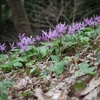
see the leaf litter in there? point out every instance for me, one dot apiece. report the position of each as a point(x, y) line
point(52, 87)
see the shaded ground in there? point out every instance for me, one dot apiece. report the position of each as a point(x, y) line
point(52, 87)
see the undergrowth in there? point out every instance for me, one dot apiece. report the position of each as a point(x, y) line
point(59, 50)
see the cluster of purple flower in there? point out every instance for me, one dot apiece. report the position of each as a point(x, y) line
point(70, 29)
point(25, 41)
point(59, 31)
point(2, 47)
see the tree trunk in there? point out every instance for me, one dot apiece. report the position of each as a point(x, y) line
point(20, 17)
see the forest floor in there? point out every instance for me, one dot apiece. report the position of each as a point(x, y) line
point(80, 79)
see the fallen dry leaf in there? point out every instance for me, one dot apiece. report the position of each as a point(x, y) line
point(53, 94)
point(22, 82)
point(63, 95)
point(93, 95)
point(92, 85)
point(39, 94)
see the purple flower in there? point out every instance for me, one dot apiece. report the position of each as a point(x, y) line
point(61, 28)
point(44, 33)
point(71, 30)
point(21, 36)
point(55, 34)
point(38, 38)
point(89, 22)
point(25, 41)
point(2, 47)
point(51, 34)
point(97, 19)
point(12, 45)
point(31, 40)
point(76, 26)
point(44, 38)
point(22, 46)
point(19, 44)
point(83, 25)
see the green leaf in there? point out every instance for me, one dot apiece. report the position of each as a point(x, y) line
point(28, 93)
point(98, 57)
point(17, 64)
point(43, 76)
point(1, 85)
point(67, 38)
point(87, 29)
point(30, 63)
point(7, 83)
point(6, 67)
point(4, 85)
point(31, 47)
point(3, 96)
point(3, 57)
point(28, 56)
point(5, 90)
point(55, 58)
point(35, 71)
point(20, 59)
point(67, 58)
point(77, 72)
point(89, 70)
point(69, 44)
point(83, 66)
point(84, 40)
point(57, 68)
point(47, 43)
point(79, 85)
point(43, 50)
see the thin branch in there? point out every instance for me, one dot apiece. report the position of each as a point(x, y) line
point(63, 15)
point(60, 12)
point(74, 11)
point(49, 22)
